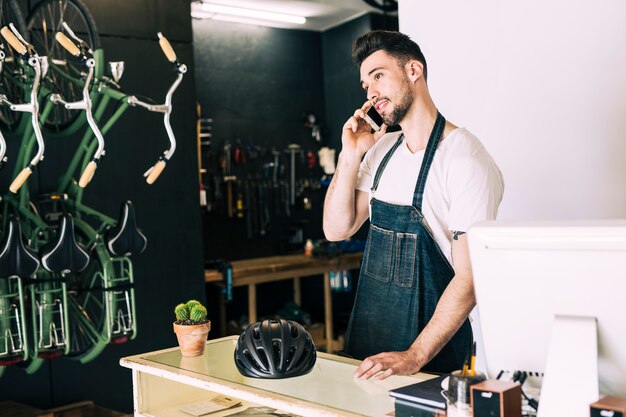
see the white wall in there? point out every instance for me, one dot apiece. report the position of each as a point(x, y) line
point(543, 85)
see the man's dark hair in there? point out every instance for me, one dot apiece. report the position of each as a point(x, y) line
point(396, 44)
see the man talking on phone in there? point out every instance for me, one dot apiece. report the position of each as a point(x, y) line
point(421, 188)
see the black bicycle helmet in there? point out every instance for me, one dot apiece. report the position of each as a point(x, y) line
point(275, 349)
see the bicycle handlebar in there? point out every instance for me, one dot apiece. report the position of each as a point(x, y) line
point(154, 172)
point(167, 48)
point(13, 41)
point(67, 44)
point(3, 144)
point(3, 149)
point(166, 108)
point(20, 179)
point(87, 175)
point(84, 104)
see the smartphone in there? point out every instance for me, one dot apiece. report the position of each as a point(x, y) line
point(374, 119)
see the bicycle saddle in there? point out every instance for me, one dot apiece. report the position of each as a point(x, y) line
point(16, 259)
point(64, 254)
point(125, 238)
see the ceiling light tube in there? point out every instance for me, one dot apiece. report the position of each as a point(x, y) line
point(256, 14)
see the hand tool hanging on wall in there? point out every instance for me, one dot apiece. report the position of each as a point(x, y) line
point(229, 180)
point(307, 203)
point(203, 132)
point(311, 160)
point(225, 164)
point(284, 195)
point(276, 165)
point(292, 150)
point(275, 182)
point(240, 206)
point(253, 151)
point(266, 206)
point(248, 208)
point(240, 156)
point(217, 189)
point(310, 121)
point(261, 208)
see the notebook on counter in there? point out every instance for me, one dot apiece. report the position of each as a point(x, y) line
point(425, 392)
point(411, 409)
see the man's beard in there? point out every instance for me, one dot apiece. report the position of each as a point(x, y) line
point(401, 109)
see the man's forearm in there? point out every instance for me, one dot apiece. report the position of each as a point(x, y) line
point(452, 310)
point(339, 205)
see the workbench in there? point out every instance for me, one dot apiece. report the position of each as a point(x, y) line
point(250, 272)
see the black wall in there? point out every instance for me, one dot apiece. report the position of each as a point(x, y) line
point(342, 87)
point(256, 83)
point(170, 270)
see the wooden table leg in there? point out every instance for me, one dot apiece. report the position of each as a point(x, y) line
point(252, 303)
point(297, 292)
point(328, 313)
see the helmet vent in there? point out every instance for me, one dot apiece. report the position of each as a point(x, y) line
point(292, 352)
point(276, 350)
point(250, 358)
point(261, 353)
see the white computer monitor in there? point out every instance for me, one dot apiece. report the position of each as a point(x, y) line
point(544, 291)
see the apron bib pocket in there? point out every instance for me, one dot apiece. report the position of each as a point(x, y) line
point(378, 254)
point(406, 258)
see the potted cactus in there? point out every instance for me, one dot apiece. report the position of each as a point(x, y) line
point(191, 327)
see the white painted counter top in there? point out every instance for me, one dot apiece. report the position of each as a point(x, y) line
point(164, 381)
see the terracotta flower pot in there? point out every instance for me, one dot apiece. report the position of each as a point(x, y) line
point(192, 338)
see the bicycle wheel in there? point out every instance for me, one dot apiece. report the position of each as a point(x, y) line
point(12, 75)
point(64, 73)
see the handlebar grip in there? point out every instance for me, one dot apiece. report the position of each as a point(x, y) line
point(67, 43)
point(156, 171)
point(87, 175)
point(20, 179)
point(167, 48)
point(14, 42)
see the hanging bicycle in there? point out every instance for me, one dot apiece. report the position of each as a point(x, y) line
point(99, 301)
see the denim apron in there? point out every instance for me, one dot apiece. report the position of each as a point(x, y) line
point(403, 275)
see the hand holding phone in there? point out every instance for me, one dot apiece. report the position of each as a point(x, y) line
point(357, 135)
point(374, 118)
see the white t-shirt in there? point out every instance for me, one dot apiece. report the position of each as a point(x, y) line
point(464, 185)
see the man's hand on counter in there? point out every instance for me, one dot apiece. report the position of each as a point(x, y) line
point(386, 364)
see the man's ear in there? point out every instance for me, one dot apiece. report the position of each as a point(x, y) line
point(414, 70)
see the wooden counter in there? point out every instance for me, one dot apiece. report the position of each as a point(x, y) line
point(164, 382)
point(250, 272)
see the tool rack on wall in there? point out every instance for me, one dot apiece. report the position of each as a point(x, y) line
point(261, 191)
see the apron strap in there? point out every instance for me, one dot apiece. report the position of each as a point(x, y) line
point(383, 163)
point(429, 154)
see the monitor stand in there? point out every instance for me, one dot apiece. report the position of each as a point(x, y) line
point(570, 382)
